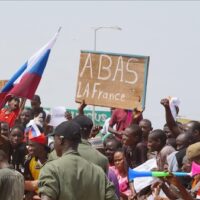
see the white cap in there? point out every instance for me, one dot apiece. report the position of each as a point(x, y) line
point(57, 116)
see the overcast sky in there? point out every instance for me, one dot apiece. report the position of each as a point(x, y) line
point(168, 32)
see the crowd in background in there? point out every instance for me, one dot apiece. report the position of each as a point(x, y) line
point(41, 153)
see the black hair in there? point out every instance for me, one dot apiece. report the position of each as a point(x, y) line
point(159, 134)
point(120, 150)
point(30, 110)
point(14, 98)
point(19, 127)
point(41, 112)
point(113, 139)
point(85, 123)
point(147, 121)
point(37, 98)
point(136, 130)
point(195, 125)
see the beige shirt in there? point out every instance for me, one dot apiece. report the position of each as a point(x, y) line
point(161, 157)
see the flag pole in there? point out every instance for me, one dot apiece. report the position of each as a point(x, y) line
point(21, 108)
point(22, 104)
point(59, 29)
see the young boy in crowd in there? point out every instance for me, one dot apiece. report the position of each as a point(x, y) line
point(4, 137)
point(18, 148)
point(175, 159)
point(10, 113)
point(157, 142)
point(36, 106)
point(146, 128)
point(111, 144)
point(4, 129)
point(25, 116)
point(135, 150)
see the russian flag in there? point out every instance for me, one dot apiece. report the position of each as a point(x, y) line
point(34, 134)
point(33, 129)
point(26, 80)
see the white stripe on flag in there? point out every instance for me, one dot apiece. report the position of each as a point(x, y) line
point(34, 58)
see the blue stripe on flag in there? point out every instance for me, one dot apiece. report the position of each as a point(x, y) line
point(39, 67)
point(10, 83)
point(34, 133)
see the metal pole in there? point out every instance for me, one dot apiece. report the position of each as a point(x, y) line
point(95, 38)
point(95, 41)
point(95, 44)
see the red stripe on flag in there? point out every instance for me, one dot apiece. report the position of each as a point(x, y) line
point(26, 87)
point(2, 99)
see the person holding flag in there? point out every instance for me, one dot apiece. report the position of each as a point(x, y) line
point(10, 113)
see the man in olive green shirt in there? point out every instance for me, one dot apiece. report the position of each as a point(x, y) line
point(85, 149)
point(71, 177)
point(88, 152)
point(11, 181)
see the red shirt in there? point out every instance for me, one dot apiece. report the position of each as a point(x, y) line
point(9, 117)
point(121, 118)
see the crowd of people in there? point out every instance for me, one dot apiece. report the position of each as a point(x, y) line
point(74, 159)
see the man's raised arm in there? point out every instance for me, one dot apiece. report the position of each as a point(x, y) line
point(171, 123)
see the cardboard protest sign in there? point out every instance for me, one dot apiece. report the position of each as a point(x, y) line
point(2, 83)
point(112, 80)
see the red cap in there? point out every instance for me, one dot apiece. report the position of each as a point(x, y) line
point(41, 139)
